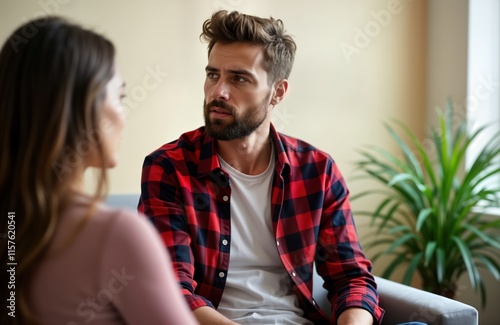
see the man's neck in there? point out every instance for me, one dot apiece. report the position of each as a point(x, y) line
point(249, 155)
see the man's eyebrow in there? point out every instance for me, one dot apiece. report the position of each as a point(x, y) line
point(211, 69)
point(241, 71)
point(233, 71)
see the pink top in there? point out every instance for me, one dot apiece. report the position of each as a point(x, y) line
point(115, 271)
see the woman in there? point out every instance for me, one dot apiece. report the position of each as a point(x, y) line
point(78, 261)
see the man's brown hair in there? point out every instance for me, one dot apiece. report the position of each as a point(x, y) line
point(279, 48)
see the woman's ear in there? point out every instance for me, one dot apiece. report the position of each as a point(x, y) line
point(280, 89)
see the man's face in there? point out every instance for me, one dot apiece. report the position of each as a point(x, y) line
point(237, 95)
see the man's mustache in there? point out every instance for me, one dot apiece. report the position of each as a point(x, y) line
point(220, 104)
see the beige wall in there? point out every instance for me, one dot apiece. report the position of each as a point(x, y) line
point(335, 101)
point(447, 55)
point(359, 63)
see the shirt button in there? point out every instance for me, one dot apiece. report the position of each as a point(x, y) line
point(277, 243)
point(224, 242)
point(294, 274)
point(221, 274)
point(225, 198)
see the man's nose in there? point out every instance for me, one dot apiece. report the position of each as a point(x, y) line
point(221, 90)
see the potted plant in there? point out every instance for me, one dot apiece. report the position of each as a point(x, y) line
point(427, 219)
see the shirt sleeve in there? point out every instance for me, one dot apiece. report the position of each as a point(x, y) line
point(137, 276)
point(161, 202)
point(340, 259)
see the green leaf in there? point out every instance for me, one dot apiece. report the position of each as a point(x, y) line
point(400, 228)
point(412, 161)
point(400, 259)
point(491, 265)
point(429, 252)
point(440, 265)
point(491, 241)
point(468, 260)
point(422, 216)
point(400, 242)
point(415, 261)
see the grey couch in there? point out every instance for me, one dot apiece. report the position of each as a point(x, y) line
point(405, 304)
point(401, 303)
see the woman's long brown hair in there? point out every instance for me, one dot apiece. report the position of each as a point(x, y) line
point(52, 83)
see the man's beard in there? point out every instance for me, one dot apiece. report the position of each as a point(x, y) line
point(241, 126)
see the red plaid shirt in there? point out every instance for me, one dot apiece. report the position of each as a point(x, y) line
point(187, 196)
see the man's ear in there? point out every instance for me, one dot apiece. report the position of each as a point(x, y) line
point(280, 89)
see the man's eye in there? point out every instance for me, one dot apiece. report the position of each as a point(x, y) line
point(211, 75)
point(240, 79)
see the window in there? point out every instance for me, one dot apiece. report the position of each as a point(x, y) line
point(483, 73)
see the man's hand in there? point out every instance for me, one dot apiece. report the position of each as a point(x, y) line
point(355, 316)
point(208, 316)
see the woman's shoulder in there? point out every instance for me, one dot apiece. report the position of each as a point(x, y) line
point(108, 213)
point(121, 221)
point(100, 228)
point(100, 219)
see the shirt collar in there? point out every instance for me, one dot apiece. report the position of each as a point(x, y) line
point(209, 162)
point(282, 161)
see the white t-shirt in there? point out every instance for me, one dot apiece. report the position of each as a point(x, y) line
point(258, 289)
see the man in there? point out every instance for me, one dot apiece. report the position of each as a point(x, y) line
point(245, 211)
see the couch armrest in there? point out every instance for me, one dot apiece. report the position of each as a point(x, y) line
point(405, 304)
